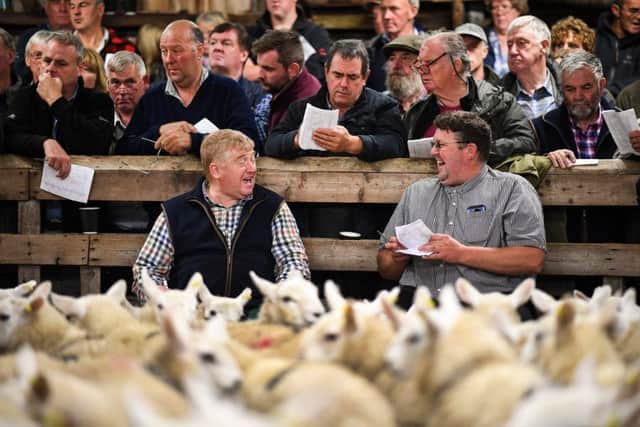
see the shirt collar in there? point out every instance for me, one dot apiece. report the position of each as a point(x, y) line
point(547, 86)
point(469, 185)
point(212, 203)
point(117, 121)
point(170, 89)
point(597, 123)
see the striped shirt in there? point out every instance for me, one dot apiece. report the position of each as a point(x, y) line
point(587, 140)
point(501, 63)
point(157, 253)
point(494, 209)
point(540, 101)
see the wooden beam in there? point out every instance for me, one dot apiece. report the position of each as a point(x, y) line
point(14, 184)
point(89, 280)
point(338, 179)
point(28, 223)
point(44, 249)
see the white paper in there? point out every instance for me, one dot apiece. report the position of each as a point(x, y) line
point(75, 187)
point(586, 162)
point(307, 48)
point(315, 118)
point(620, 123)
point(412, 236)
point(420, 148)
point(206, 126)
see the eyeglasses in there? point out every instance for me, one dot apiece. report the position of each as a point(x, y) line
point(440, 145)
point(425, 67)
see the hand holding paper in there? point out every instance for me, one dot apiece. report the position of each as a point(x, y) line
point(412, 236)
point(75, 187)
point(621, 124)
point(315, 118)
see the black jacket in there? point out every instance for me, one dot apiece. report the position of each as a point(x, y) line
point(509, 127)
point(375, 118)
point(377, 60)
point(620, 57)
point(553, 132)
point(84, 125)
point(317, 36)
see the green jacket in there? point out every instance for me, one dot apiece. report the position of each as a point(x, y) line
point(509, 126)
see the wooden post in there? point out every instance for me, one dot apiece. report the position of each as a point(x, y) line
point(28, 223)
point(616, 283)
point(89, 280)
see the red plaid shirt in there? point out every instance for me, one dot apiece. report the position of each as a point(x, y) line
point(587, 140)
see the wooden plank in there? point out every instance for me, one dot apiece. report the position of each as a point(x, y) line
point(44, 249)
point(89, 280)
point(14, 184)
point(589, 190)
point(580, 259)
point(28, 223)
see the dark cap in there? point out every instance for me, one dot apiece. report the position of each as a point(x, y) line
point(409, 43)
point(473, 30)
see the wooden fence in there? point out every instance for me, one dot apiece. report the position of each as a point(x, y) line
point(339, 180)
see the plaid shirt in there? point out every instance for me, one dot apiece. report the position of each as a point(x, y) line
point(501, 64)
point(587, 140)
point(539, 102)
point(157, 253)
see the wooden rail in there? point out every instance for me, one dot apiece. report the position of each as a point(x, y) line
point(340, 180)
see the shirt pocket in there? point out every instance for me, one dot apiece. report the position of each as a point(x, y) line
point(476, 228)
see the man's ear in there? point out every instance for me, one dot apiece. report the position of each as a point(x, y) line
point(603, 84)
point(615, 10)
point(545, 46)
point(199, 50)
point(100, 9)
point(293, 70)
point(472, 150)
point(243, 56)
point(414, 11)
point(214, 170)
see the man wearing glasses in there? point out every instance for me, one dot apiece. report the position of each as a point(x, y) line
point(223, 228)
point(444, 66)
point(618, 44)
point(488, 225)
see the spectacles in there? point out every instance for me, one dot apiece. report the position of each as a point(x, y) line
point(425, 67)
point(439, 145)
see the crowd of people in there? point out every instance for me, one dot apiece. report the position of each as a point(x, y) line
point(74, 87)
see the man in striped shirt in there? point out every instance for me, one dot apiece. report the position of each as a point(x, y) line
point(226, 226)
point(488, 225)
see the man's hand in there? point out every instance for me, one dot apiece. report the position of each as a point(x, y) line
point(337, 140)
point(445, 248)
point(562, 158)
point(182, 126)
point(49, 88)
point(634, 138)
point(177, 142)
point(57, 158)
point(393, 244)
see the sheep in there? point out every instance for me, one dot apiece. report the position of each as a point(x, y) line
point(230, 309)
point(384, 299)
point(458, 356)
point(22, 290)
point(183, 302)
point(489, 302)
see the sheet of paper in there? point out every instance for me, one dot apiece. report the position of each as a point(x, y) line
point(206, 126)
point(586, 162)
point(315, 118)
point(412, 236)
point(620, 123)
point(75, 187)
point(420, 148)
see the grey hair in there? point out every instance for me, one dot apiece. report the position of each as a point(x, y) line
point(349, 49)
point(7, 39)
point(453, 44)
point(415, 3)
point(122, 59)
point(533, 23)
point(39, 37)
point(579, 59)
point(66, 38)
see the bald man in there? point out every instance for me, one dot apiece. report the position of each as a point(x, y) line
point(166, 115)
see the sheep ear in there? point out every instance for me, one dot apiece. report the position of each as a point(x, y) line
point(350, 321)
point(195, 283)
point(391, 296)
point(244, 297)
point(268, 289)
point(390, 312)
point(68, 305)
point(334, 297)
point(565, 315)
point(176, 331)
point(149, 286)
point(24, 289)
point(38, 297)
point(603, 292)
point(577, 294)
point(522, 293)
point(118, 291)
point(422, 299)
point(467, 292)
point(543, 301)
point(629, 297)
point(204, 294)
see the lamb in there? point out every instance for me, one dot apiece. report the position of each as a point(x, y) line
point(458, 355)
point(230, 309)
point(22, 290)
point(182, 302)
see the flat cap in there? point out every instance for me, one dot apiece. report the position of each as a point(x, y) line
point(473, 30)
point(408, 43)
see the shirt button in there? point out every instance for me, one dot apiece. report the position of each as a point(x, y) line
point(450, 222)
point(453, 204)
point(441, 265)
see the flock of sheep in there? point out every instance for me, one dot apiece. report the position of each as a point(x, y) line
point(186, 359)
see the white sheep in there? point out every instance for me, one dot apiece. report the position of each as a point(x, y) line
point(22, 290)
point(159, 299)
point(230, 309)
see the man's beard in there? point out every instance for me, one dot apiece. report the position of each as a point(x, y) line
point(584, 110)
point(404, 87)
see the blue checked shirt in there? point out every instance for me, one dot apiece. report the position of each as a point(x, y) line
point(157, 253)
point(501, 64)
point(587, 140)
point(539, 102)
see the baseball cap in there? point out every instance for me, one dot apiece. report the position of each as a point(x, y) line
point(408, 43)
point(473, 30)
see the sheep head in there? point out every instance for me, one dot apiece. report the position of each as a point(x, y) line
point(230, 309)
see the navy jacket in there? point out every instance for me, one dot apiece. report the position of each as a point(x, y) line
point(553, 132)
point(201, 247)
point(219, 99)
point(375, 118)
